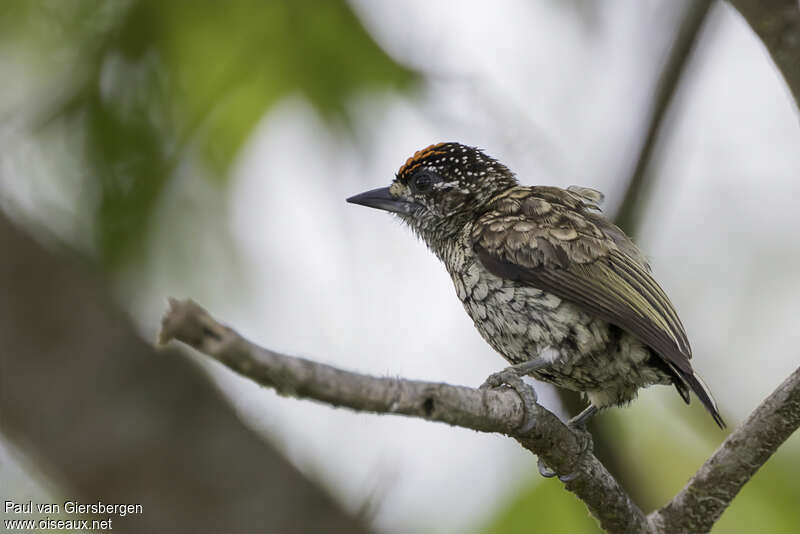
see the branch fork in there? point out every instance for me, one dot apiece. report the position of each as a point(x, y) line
point(512, 411)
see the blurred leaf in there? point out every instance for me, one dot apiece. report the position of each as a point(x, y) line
point(229, 62)
point(156, 82)
point(543, 506)
point(53, 23)
point(131, 172)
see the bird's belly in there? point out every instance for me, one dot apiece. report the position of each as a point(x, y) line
point(584, 353)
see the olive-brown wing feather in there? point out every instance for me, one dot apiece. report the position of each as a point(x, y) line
point(543, 237)
point(554, 255)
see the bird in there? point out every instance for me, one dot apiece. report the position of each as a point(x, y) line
point(552, 285)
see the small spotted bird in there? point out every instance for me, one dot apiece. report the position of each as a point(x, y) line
point(553, 286)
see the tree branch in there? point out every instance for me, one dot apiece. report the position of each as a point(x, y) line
point(701, 502)
point(777, 24)
point(486, 410)
point(695, 509)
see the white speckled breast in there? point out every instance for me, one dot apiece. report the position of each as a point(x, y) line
point(522, 323)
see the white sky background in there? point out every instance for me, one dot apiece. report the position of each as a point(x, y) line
point(559, 97)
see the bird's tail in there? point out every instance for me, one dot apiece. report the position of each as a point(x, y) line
point(693, 381)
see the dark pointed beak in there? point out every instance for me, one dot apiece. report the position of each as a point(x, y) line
point(382, 200)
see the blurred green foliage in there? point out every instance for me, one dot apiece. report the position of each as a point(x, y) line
point(149, 83)
point(769, 502)
point(543, 506)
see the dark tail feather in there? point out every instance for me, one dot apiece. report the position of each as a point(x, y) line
point(703, 393)
point(683, 388)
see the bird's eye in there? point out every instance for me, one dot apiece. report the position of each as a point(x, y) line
point(423, 181)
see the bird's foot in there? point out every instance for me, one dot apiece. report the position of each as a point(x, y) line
point(524, 368)
point(510, 377)
point(578, 427)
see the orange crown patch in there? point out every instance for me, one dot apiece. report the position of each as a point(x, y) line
point(419, 156)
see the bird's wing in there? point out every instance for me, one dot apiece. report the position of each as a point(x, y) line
point(545, 237)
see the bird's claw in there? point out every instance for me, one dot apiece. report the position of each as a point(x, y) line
point(510, 377)
point(587, 445)
point(545, 471)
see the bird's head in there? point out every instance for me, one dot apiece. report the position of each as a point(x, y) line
point(440, 188)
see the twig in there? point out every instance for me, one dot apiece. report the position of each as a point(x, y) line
point(630, 212)
point(486, 410)
point(700, 504)
point(777, 24)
